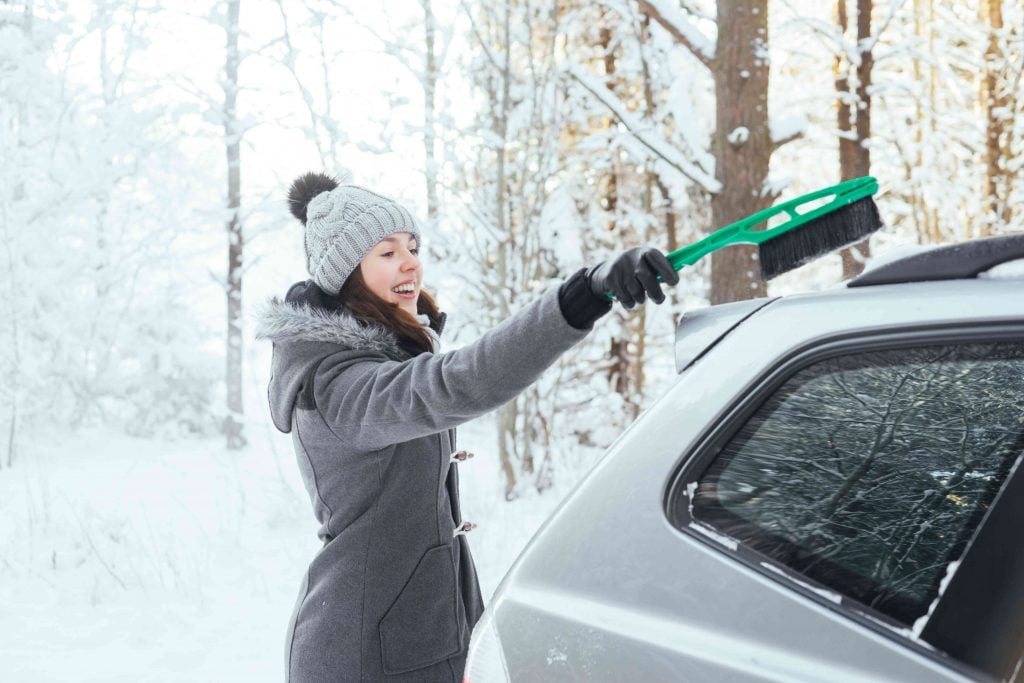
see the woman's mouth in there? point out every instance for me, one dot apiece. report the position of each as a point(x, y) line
point(405, 291)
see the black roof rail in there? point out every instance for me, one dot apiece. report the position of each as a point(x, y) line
point(951, 262)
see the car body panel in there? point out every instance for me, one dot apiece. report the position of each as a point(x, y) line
point(701, 329)
point(609, 588)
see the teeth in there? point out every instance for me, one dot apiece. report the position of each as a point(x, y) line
point(403, 288)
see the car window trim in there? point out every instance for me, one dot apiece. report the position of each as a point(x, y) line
point(986, 592)
point(693, 462)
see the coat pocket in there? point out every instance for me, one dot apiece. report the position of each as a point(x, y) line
point(422, 626)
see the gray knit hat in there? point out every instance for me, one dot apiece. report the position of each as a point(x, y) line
point(343, 223)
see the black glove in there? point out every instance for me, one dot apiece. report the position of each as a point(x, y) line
point(632, 276)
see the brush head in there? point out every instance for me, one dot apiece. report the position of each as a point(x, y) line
point(819, 236)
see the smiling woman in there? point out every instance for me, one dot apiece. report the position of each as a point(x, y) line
point(359, 381)
point(386, 289)
point(393, 271)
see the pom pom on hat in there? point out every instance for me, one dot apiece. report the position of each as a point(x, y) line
point(304, 189)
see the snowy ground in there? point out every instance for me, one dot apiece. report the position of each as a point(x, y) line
point(131, 560)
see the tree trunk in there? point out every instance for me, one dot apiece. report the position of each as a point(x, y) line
point(232, 135)
point(506, 447)
point(742, 142)
point(995, 104)
point(14, 386)
point(925, 218)
point(854, 119)
point(429, 112)
point(18, 194)
point(931, 212)
point(507, 414)
point(610, 200)
point(920, 224)
point(623, 365)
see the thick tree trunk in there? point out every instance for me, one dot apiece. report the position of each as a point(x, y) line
point(854, 119)
point(742, 142)
point(232, 135)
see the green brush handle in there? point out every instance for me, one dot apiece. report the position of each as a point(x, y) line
point(740, 232)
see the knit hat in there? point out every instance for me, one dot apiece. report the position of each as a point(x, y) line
point(343, 223)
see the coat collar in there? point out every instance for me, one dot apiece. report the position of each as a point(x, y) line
point(309, 314)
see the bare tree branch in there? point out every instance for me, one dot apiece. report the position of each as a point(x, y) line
point(657, 146)
point(686, 35)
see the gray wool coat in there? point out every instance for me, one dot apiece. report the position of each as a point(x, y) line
point(393, 594)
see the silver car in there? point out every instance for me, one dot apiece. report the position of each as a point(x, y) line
point(831, 491)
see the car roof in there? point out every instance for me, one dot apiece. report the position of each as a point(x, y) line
point(961, 261)
point(947, 280)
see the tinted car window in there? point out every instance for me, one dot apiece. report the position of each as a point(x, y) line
point(869, 472)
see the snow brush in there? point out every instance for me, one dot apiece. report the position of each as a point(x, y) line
point(812, 230)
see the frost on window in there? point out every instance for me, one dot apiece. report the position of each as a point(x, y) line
point(869, 472)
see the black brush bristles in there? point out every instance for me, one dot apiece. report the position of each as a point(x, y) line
point(824, 234)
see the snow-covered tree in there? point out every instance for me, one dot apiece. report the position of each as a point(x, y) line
point(936, 106)
point(233, 420)
point(89, 231)
point(928, 116)
point(510, 216)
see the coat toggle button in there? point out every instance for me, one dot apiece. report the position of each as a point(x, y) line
point(461, 456)
point(463, 529)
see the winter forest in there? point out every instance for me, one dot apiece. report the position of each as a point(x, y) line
point(152, 520)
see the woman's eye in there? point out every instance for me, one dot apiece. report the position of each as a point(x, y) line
point(387, 253)
point(415, 251)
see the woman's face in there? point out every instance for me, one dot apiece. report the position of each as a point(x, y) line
point(392, 263)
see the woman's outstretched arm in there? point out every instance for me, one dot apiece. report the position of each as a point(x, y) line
point(374, 402)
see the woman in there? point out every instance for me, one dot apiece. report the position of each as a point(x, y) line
point(372, 405)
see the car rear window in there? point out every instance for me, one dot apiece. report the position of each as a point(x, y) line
point(869, 472)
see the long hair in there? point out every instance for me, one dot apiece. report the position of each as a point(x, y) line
point(367, 307)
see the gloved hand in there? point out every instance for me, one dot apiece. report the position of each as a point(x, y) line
point(632, 276)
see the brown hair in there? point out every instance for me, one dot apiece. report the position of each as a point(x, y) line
point(369, 308)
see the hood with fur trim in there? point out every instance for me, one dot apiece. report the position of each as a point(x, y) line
point(305, 328)
point(280, 321)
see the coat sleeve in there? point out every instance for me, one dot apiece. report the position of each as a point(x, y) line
point(373, 403)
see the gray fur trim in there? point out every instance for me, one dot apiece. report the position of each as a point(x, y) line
point(279, 321)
